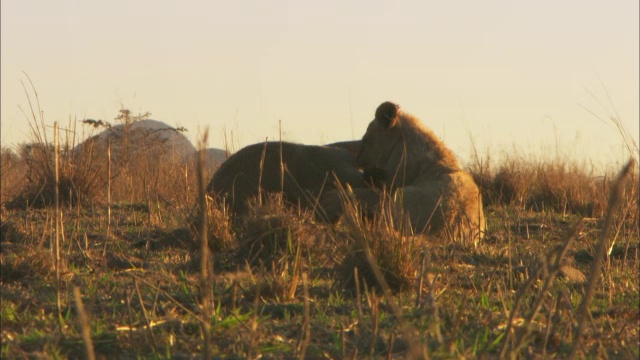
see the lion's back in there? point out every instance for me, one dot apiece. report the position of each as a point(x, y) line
point(258, 168)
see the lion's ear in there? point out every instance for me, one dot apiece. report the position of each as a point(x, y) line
point(387, 114)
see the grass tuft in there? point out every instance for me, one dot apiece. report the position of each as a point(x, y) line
point(78, 182)
point(19, 263)
point(555, 185)
point(271, 231)
point(395, 252)
point(220, 233)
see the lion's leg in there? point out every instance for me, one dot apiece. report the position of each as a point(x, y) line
point(423, 207)
point(332, 203)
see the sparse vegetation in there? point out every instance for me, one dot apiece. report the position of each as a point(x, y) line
point(557, 184)
point(285, 286)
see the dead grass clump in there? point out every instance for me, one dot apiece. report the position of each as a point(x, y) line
point(11, 232)
point(220, 234)
point(12, 174)
point(78, 180)
point(372, 245)
point(20, 262)
point(279, 283)
point(40, 194)
point(272, 231)
point(541, 185)
point(273, 238)
point(565, 187)
point(510, 183)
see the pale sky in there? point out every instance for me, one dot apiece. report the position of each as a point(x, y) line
point(514, 76)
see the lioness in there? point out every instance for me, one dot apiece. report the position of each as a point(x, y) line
point(258, 168)
point(436, 194)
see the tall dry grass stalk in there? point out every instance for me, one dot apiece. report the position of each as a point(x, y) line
point(146, 317)
point(305, 334)
point(264, 153)
point(108, 196)
point(206, 269)
point(615, 199)
point(84, 323)
point(614, 117)
point(58, 219)
point(282, 167)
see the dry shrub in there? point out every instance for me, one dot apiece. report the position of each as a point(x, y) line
point(564, 186)
point(12, 173)
point(271, 232)
point(370, 244)
point(148, 159)
point(78, 180)
point(540, 185)
point(510, 183)
point(506, 184)
point(146, 164)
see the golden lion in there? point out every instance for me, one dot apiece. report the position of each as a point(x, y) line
point(258, 170)
point(409, 160)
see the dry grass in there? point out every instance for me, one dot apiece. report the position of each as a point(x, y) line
point(272, 232)
point(554, 184)
point(220, 234)
point(361, 239)
point(285, 286)
point(11, 171)
point(32, 263)
point(457, 300)
point(79, 181)
point(144, 165)
point(146, 171)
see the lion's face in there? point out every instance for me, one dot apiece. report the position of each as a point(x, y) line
point(382, 136)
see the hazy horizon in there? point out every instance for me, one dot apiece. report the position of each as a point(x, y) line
point(534, 78)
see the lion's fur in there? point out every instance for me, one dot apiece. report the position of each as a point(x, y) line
point(308, 171)
point(352, 146)
point(437, 195)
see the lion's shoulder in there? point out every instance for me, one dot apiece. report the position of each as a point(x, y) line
point(425, 147)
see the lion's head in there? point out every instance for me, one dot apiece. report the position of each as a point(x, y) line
point(382, 136)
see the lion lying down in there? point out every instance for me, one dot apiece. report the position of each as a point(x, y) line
point(308, 172)
point(410, 161)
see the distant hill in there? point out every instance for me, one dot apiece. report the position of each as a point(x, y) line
point(140, 138)
point(215, 157)
point(151, 139)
